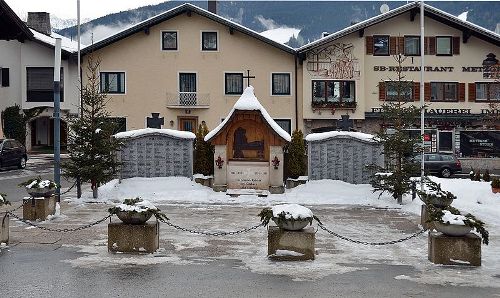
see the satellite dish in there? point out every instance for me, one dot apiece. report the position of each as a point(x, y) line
point(384, 8)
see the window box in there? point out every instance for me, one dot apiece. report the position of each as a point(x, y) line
point(337, 105)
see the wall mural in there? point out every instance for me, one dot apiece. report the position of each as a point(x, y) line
point(336, 61)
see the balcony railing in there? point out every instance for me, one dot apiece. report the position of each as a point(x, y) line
point(192, 100)
point(348, 105)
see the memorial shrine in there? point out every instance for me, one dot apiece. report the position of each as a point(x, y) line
point(248, 148)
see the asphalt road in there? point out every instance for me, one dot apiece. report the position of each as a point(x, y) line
point(10, 178)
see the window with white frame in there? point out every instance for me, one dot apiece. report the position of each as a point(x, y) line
point(169, 40)
point(233, 83)
point(209, 41)
point(112, 82)
point(488, 91)
point(280, 84)
point(443, 45)
point(412, 45)
point(187, 89)
point(4, 77)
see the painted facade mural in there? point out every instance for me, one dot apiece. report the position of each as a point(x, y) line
point(336, 61)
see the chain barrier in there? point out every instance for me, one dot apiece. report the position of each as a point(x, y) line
point(69, 189)
point(65, 230)
point(168, 223)
point(370, 243)
point(17, 208)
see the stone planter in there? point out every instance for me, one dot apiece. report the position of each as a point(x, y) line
point(495, 189)
point(4, 227)
point(205, 181)
point(38, 208)
point(452, 230)
point(292, 225)
point(41, 192)
point(134, 218)
point(292, 183)
point(440, 203)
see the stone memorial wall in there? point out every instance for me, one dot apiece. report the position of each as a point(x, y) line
point(156, 155)
point(342, 156)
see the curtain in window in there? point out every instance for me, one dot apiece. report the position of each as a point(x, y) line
point(234, 83)
point(187, 82)
point(209, 40)
point(281, 83)
point(169, 40)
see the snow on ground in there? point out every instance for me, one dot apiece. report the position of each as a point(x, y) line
point(336, 202)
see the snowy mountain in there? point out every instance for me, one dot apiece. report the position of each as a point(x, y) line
point(58, 23)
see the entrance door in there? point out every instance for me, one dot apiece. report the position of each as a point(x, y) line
point(188, 124)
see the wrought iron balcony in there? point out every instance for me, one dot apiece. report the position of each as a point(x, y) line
point(191, 100)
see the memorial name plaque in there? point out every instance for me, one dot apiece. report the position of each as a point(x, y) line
point(248, 175)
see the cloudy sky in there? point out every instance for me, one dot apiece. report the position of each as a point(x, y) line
point(66, 9)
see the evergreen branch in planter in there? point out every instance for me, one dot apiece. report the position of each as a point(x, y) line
point(436, 214)
point(138, 205)
point(495, 183)
point(267, 214)
point(38, 182)
point(3, 200)
point(434, 193)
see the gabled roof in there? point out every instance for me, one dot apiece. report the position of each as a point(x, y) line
point(11, 26)
point(68, 46)
point(184, 8)
point(248, 102)
point(468, 28)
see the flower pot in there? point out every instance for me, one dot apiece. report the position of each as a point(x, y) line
point(495, 189)
point(41, 192)
point(452, 230)
point(134, 218)
point(291, 225)
point(439, 203)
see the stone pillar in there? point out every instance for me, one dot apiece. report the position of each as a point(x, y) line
point(129, 238)
point(424, 217)
point(39, 208)
point(4, 227)
point(276, 174)
point(286, 245)
point(28, 136)
point(220, 175)
point(453, 250)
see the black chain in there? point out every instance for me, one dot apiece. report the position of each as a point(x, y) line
point(371, 243)
point(69, 189)
point(17, 208)
point(211, 233)
point(65, 230)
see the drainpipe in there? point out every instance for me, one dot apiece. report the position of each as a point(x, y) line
point(296, 95)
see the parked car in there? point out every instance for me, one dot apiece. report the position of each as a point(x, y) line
point(12, 153)
point(442, 164)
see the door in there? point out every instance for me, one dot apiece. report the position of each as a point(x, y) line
point(188, 124)
point(187, 89)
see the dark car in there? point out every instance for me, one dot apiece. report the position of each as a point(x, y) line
point(442, 164)
point(12, 153)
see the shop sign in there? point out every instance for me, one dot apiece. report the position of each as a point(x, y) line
point(448, 111)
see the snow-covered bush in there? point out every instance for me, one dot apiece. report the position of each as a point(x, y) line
point(3, 200)
point(138, 205)
point(434, 195)
point(286, 212)
point(39, 183)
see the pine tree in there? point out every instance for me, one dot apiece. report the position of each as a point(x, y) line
point(91, 146)
point(296, 154)
point(203, 153)
point(398, 115)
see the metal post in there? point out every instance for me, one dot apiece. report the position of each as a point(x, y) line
point(57, 117)
point(78, 180)
point(422, 90)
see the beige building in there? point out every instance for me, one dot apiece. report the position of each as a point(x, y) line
point(352, 72)
point(189, 65)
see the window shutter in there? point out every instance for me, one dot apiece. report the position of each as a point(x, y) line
point(461, 91)
point(369, 45)
point(456, 45)
point(401, 45)
point(5, 77)
point(426, 45)
point(392, 45)
point(381, 91)
point(472, 91)
point(427, 91)
point(416, 91)
point(432, 45)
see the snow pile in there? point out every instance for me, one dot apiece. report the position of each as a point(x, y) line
point(287, 253)
point(2, 200)
point(147, 131)
point(142, 206)
point(332, 134)
point(463, 16)
point(453, 219)
point(292, 211)
point(39, 184)
point(248, 102)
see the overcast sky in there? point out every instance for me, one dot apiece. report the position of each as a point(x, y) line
point(66, 9)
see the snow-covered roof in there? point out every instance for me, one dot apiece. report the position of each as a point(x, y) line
point(430, 11)
point(248, 102)
point(66, 43)
point(332, 134)
point(153, 131)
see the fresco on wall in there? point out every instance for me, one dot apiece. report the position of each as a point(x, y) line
point(336, 61)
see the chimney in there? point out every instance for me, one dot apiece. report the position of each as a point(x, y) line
point(40, 21)
point(212, 6)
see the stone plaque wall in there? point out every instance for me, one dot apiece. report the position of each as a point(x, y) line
point(156, 155)
point(248, 175)
point(343, 158)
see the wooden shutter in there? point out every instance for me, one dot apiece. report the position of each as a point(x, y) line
point(5, 77)
point(456, 45)
point(416, 91)
point(432, 45)
point(461, 91)
point(427, 91)
point(369, 45)
point(426, 45)
point(401, 45)
point(472, 91)
point(393, 41)
point(381, 91)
